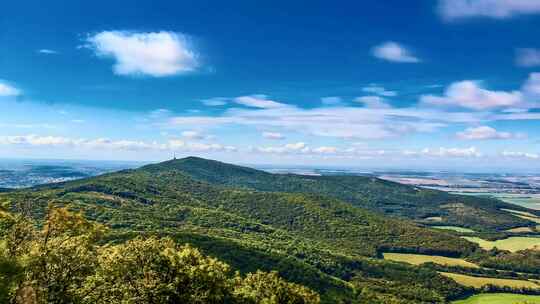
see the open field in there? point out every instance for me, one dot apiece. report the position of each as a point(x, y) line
point(524, 215)
point(520, 230)
point(418, 259)
point(511, 244)
point(519, 212)
point(499, 298)
point(526, 200)
point(478, 282)
point(531, 201)
point(433, 219)
point(453, 228)
point(530, 218)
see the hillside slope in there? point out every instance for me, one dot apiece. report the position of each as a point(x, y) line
point(324, 243)
point(389, 198)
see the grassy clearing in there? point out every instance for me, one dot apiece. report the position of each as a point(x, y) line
point(526, 200)
point(530, 218)
point(454, 228)
point(524, 215)
point(513, 244)
point(479, 282)
point(520, 230)
point(499, 298)
point(418, 259)
point(433, 219)
point(519, 212)
point(531, 201)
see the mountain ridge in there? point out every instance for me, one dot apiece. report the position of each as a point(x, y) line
point(387, 197)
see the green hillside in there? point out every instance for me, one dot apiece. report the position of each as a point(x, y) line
point(302, 227)
point(323, 243)
point(390, 198)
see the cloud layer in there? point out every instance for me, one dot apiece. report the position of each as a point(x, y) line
point(33, 140)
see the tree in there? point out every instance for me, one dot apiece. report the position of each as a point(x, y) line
point(269, 288)
point(55, 260)
point(63, 262)
point(157, 271)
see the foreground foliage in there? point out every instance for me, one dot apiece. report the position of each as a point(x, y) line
point(64, 263)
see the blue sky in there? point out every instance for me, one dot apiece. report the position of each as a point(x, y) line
point(437, 83)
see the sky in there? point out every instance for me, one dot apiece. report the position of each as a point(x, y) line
point(441, 84)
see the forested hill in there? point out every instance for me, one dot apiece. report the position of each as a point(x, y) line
point(390, 198)
point(311, 239)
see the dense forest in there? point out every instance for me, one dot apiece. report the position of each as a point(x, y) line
point(324, 233)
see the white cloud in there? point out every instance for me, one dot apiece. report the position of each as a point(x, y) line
point(485, 132)
point(179, 145)
point(392, 51)
point(326, 150)
point(298, 147)
point(511, 154)
point(214, 102)
point(159, 113)
point(273, 135)
point(375, 89)
point(7, 90)
point(28, 126)
point(258, 101)
point(108, 144)
point(156, 54)
point(531, 87)
point(528, 57)
point(498, 9)
point(301, 148)
point(47, 52)
point(374, 102)
point(471, 152)
point(469, 94)
point(192, 135)
point(34, 140)
point(331, 101)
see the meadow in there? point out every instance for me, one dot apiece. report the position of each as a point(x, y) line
point(521, 230)
point(479, 282)
point(528, 214)
point(418, 259)
point(531, 201)
point(499, 298)
point(454, 228)
point(512, 244)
